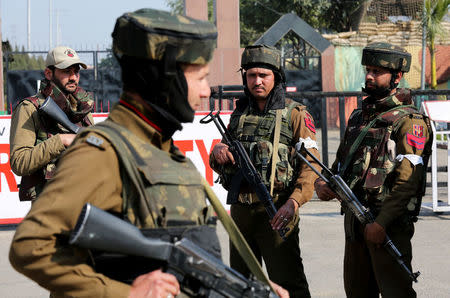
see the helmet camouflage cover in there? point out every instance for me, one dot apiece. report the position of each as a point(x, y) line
point(146, 33)
point(255, 55)
point(386, 55)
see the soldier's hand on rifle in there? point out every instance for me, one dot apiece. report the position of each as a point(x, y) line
point(323, 191)
point(155, 284)
point(284, 215)
point(375, 233)
point(67, 138)
point(279, 290)
point(222, 155)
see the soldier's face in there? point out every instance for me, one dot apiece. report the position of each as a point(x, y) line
point(379, 77)
point(260, 82)
point(197, 80)
point(66, 79)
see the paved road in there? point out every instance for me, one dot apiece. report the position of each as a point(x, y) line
point(322, 244)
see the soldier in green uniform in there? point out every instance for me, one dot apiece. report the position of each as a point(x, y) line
point(268, 125)
point(383, 158)
point(164, 61)
point(36, 141)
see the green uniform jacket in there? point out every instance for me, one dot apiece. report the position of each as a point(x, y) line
point(86, 174)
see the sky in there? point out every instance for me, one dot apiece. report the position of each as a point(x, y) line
point(83, 24)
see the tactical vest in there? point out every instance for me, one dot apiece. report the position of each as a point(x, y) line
point(172, 187)
point(32, 185)
point(256, 133)
point(371, 165)
point(162, 195)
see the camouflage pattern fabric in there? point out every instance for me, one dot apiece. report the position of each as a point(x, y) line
point(147, 33)
point(77, 107)
point(373, 162)
point(255, 132)
point(172, 184)
point(261, 54)
point(386, 55)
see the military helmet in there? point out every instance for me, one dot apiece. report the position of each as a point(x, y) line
point(386, 55)
point(256, 55)
point(147, 33)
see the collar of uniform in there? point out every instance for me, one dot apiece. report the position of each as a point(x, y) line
point(372, 107)
point(131, 121)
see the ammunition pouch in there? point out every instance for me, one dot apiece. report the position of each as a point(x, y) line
point(31, 186)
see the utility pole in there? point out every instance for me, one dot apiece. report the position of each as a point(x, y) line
point(29, 27)
point(50, 45)
point(424, 48)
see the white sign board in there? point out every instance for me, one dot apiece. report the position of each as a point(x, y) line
point(195, 140)
point(438, 110)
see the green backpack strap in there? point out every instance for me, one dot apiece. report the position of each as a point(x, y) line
point(112, 132)
point(361, 136)
point(235, 235)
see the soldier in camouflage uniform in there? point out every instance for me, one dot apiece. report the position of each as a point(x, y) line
point(129, 166)
point(254, 123)
point(36, 140)
point(383, 158)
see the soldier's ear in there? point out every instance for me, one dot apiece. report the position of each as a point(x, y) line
point(398, 77)
point(48, 73)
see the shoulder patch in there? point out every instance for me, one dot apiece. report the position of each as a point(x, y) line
point(417, 130)
point(309, 122)
point(95, 141)
point(415, 141)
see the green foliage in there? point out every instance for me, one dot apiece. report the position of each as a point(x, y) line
point(109, 62)
point(435, 11)
point(177, 6)
point(256, 16)
point(25, 61)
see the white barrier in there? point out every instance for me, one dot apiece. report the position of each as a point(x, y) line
point(195, 140)
point(438, 111)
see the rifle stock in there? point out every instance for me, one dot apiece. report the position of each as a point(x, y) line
point(199, 273)
point(349, 200)
point(246, 170)
point(51, 109)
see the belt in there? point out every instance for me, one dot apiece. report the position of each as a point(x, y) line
point(251, 198)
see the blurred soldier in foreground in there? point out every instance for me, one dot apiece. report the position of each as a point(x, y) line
point(36, 140)
point(164, 60)
point(268, 126)
point(383, 158)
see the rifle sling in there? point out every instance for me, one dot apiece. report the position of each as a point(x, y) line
point(235, 235)
point(360, 137)
point(276, 141)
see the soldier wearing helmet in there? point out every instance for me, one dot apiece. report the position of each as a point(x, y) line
point(383, 158)
point(164, 60)
point(269, 125)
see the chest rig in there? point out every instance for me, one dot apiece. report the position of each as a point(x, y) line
point(368, 166)
point(160, 188)
point(257, 133)
point(32, 185)
point(162, 195)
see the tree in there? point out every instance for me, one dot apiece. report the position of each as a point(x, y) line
point(256, 16)
point(435, 11)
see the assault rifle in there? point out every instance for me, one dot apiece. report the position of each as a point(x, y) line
point(199, 273)
point(349, 200)
point(246, 170)
point(51, 109)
